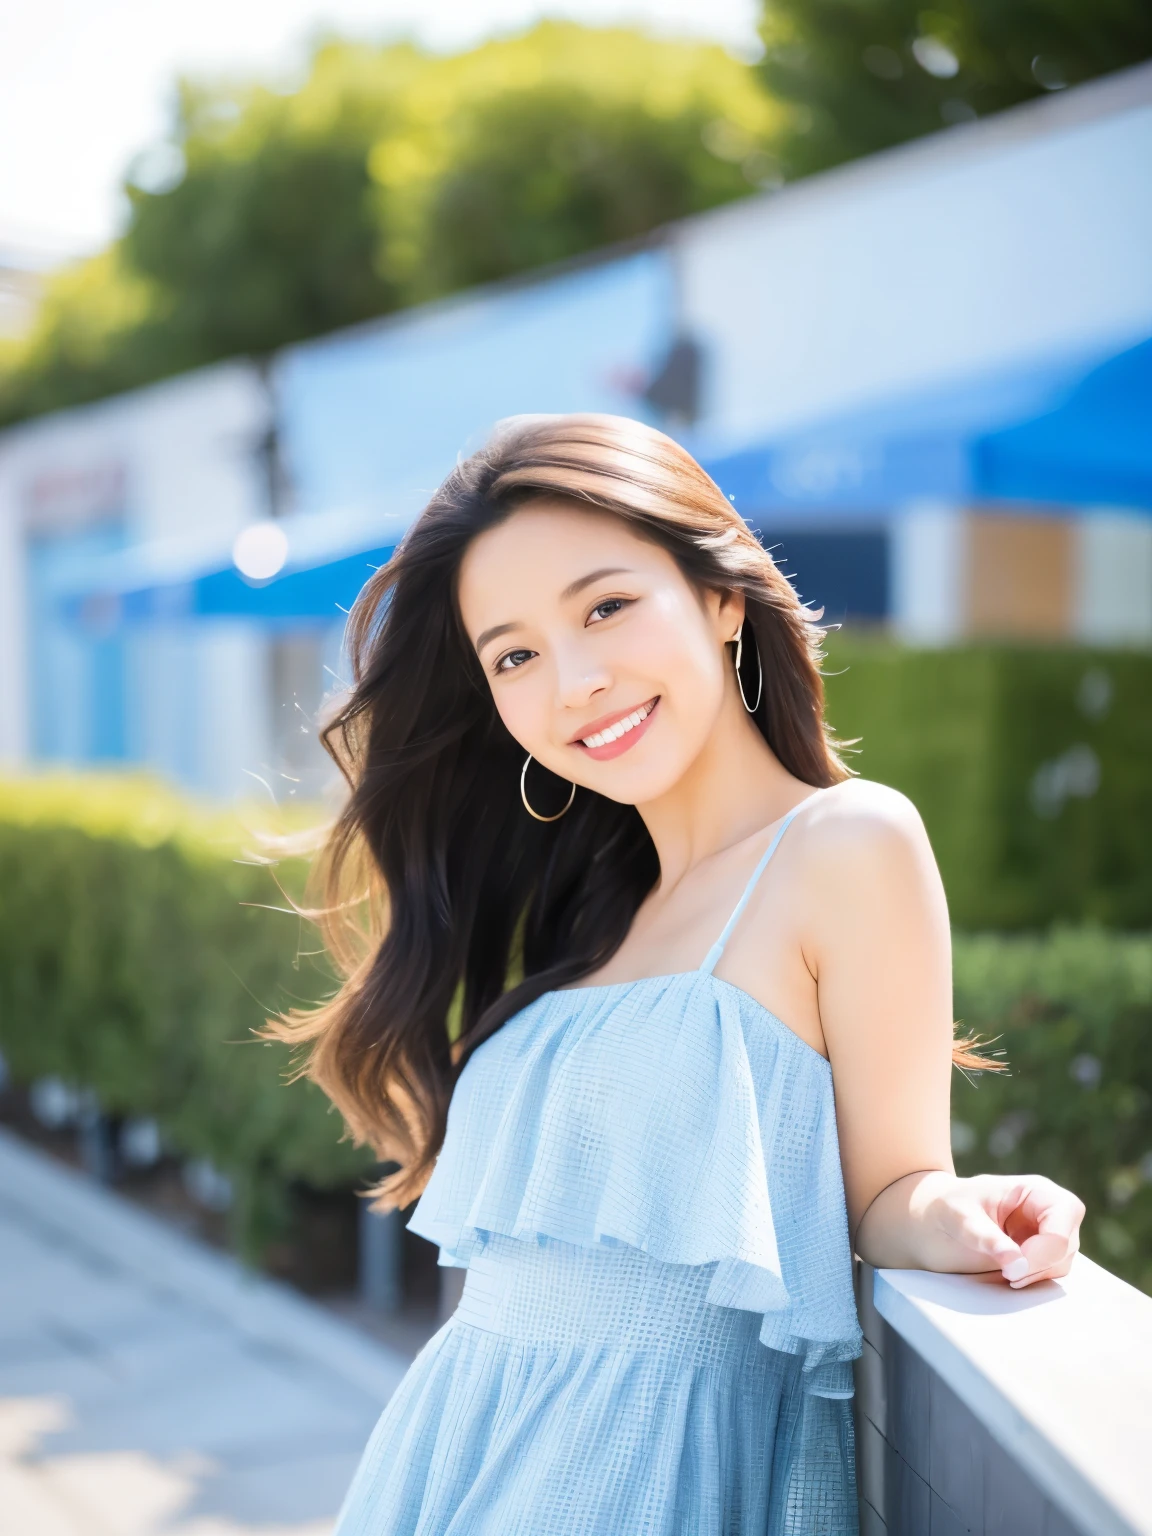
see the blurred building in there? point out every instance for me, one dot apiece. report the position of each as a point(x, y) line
point(922, 377)
point(961, 284)
point(180, 456)
point(352, 433)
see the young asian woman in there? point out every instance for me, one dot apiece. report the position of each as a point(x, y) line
point(649, 1000)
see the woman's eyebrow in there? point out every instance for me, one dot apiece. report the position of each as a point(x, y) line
point(586, 581)
point(570, 590)
point(493, 634)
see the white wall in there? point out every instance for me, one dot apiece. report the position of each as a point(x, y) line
point(1114, 573)
point(184, 451)
point(991, 244)
point(928, 560)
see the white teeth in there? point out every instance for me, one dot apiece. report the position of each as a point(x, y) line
point(621, 728)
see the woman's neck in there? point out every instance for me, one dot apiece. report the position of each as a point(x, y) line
point(736, 786)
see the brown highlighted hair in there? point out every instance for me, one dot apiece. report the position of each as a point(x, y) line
point(433, 883)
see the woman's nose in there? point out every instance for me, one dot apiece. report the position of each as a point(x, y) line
point(579, 678)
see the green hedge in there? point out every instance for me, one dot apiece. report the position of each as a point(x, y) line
point(137, 955)
point(1031, 767)
point(1073, 1013)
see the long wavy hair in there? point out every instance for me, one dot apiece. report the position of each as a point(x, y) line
point(434, 889)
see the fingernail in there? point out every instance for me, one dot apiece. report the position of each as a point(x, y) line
point(1016, 1270)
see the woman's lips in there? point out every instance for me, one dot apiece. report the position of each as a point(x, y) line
point(621, 744)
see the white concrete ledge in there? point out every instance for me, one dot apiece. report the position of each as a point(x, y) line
point(1060, 1374)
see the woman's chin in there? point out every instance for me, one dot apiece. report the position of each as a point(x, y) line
point(634, 784)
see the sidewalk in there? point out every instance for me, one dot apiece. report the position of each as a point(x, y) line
point(151, 1387)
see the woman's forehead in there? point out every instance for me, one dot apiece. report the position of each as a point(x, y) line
point(535, 555)
point(541, 526)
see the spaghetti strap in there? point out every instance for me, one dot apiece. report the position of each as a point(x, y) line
point(712, 958)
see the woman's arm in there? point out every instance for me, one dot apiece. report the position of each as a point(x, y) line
point(881, 955)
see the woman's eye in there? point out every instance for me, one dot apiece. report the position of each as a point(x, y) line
point(514, 659)
point(607, 608)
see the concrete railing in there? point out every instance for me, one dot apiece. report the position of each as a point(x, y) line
point(994, 1412)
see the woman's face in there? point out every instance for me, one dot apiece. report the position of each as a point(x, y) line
point(604, 662)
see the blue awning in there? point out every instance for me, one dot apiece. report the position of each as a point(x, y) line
point(1095, 447)
point(1075, 432)
point(295, 572)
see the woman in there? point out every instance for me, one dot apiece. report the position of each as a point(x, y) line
point(586, 750)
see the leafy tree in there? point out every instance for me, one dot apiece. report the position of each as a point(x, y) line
point(84, 342)
point(598, 175)
point(865, 74)
point(537, 148)
point(269, 230)
point(389, 176)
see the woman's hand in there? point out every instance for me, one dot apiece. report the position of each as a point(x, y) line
point(1024, 1225)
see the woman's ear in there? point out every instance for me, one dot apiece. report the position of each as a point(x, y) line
point(730, 615)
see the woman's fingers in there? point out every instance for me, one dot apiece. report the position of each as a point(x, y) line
point(1045, 1220)
point(1028, 1227)
point(1043, 1253)
point(1041, 1205)
point(1039, 1270)
point(1054, 1272)
point(969, 1222)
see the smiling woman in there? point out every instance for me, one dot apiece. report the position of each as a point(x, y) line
point(654, 1182)
point(633, 635)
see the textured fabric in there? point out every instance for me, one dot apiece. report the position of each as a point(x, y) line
point(597, 1392)
point(644, 1184)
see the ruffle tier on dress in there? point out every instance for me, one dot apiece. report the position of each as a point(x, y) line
point(675, 1116)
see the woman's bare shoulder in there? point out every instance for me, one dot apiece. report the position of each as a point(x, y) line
point(861, 806)
point(861, 825)
point(865, 879)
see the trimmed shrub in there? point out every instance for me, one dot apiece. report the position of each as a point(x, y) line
point(1032, 769)
point(1073, 1015)
point(138, 951)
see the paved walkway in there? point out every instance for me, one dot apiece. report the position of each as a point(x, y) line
point(151, 1387)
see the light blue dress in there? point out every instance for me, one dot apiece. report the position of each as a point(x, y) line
point(658, 1323)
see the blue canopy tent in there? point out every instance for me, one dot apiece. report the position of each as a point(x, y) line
point(1076, 431)
point(294, 573)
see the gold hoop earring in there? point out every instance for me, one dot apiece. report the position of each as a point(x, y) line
point(751, 708)
point(524, 796)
